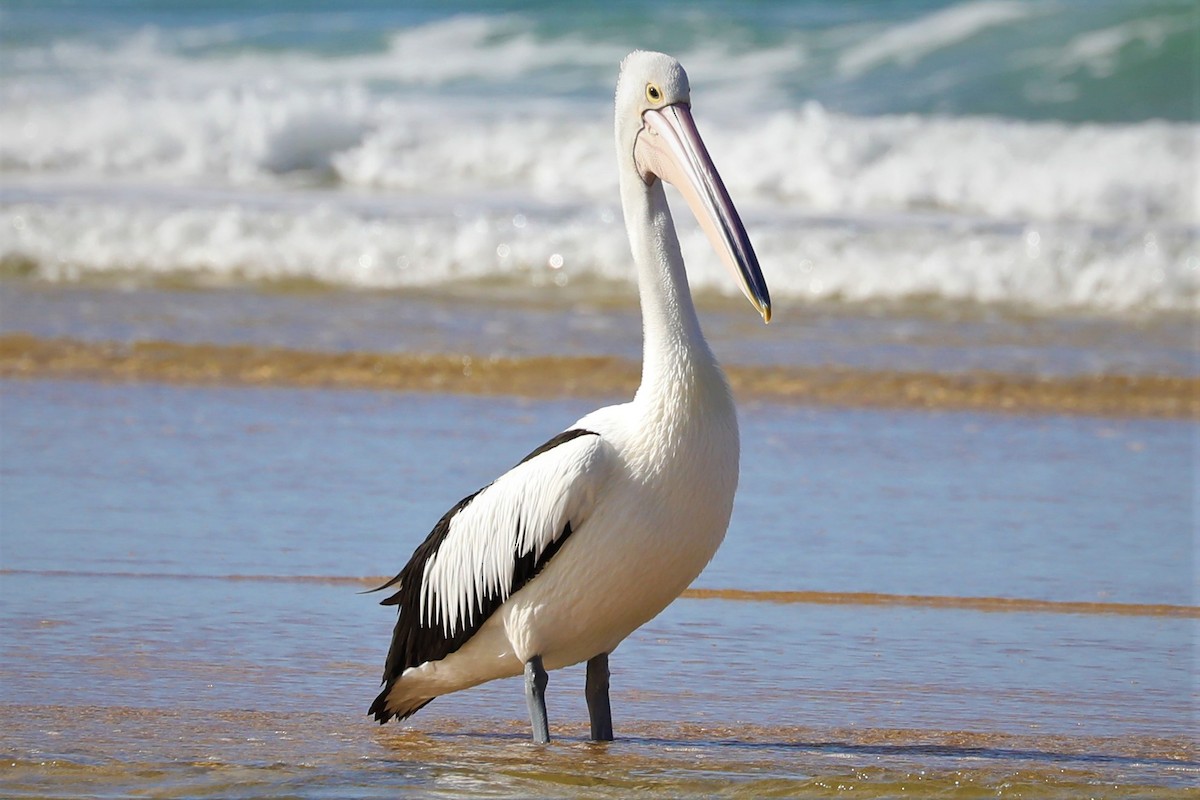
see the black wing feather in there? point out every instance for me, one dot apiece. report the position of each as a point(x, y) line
point(414, 643)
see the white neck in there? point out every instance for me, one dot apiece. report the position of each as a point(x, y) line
point(676, 360)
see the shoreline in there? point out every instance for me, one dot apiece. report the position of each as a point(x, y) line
point(272, 754)
point(978, 744)
point(1102, 395)
point(1025, 605)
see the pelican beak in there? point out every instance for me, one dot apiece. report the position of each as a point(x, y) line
point(669, 147)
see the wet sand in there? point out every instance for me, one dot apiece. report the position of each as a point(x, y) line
point(24, 356)
point(256, 754)
point(264, 703)
point(518, 320)
point(990, 604)
point(185, 688)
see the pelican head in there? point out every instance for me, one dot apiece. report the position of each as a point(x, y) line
point(655, 128)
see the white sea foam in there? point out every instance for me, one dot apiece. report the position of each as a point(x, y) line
point(1049, 267)
point(1098, 51)
point(143, 155)
point(808, 160)
point(908, 42)
point(146, 109)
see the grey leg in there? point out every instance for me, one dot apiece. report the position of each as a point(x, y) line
point(596, 691)
point(535, 696)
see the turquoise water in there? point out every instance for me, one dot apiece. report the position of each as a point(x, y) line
point(982, 153)
point(1110, 61)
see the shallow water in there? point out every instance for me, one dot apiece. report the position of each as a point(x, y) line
point(327, 483)
point(181, 615)
point(603, 320)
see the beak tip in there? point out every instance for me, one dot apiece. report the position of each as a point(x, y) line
point(766, 314)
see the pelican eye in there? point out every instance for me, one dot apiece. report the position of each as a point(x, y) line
point(653, 93)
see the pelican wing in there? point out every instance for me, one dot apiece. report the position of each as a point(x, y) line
point(491, 544)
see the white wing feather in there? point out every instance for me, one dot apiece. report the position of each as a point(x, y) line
point(524, 510)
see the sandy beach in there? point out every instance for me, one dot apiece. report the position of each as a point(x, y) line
point(1099, 395)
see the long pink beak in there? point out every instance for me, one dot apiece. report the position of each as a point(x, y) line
point(669, 147)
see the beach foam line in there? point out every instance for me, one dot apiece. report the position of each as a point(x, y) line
point(940, 602)
point(25, 356)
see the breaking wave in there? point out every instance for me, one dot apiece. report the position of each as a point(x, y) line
point(394, 152)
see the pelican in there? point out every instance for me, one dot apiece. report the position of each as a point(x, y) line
point(595, 532)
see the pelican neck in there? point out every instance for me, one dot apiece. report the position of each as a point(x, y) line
point(675, 355)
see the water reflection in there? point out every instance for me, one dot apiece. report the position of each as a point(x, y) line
point(133, 661)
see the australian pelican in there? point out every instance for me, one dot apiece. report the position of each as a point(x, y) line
point(599, 529)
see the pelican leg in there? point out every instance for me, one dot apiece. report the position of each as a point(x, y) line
point(596, 692)
point(535, 696)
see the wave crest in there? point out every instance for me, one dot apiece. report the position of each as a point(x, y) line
point(1048, 268)
point(807, 160)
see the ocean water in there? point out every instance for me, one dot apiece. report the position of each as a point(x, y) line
point(572, 323)
point(181, 615)
point(989, 152)
point(1001, 185)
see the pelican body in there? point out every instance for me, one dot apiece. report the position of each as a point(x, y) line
point(595, 532)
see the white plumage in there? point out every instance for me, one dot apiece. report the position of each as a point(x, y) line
point(534, 501)
point(598, 530)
